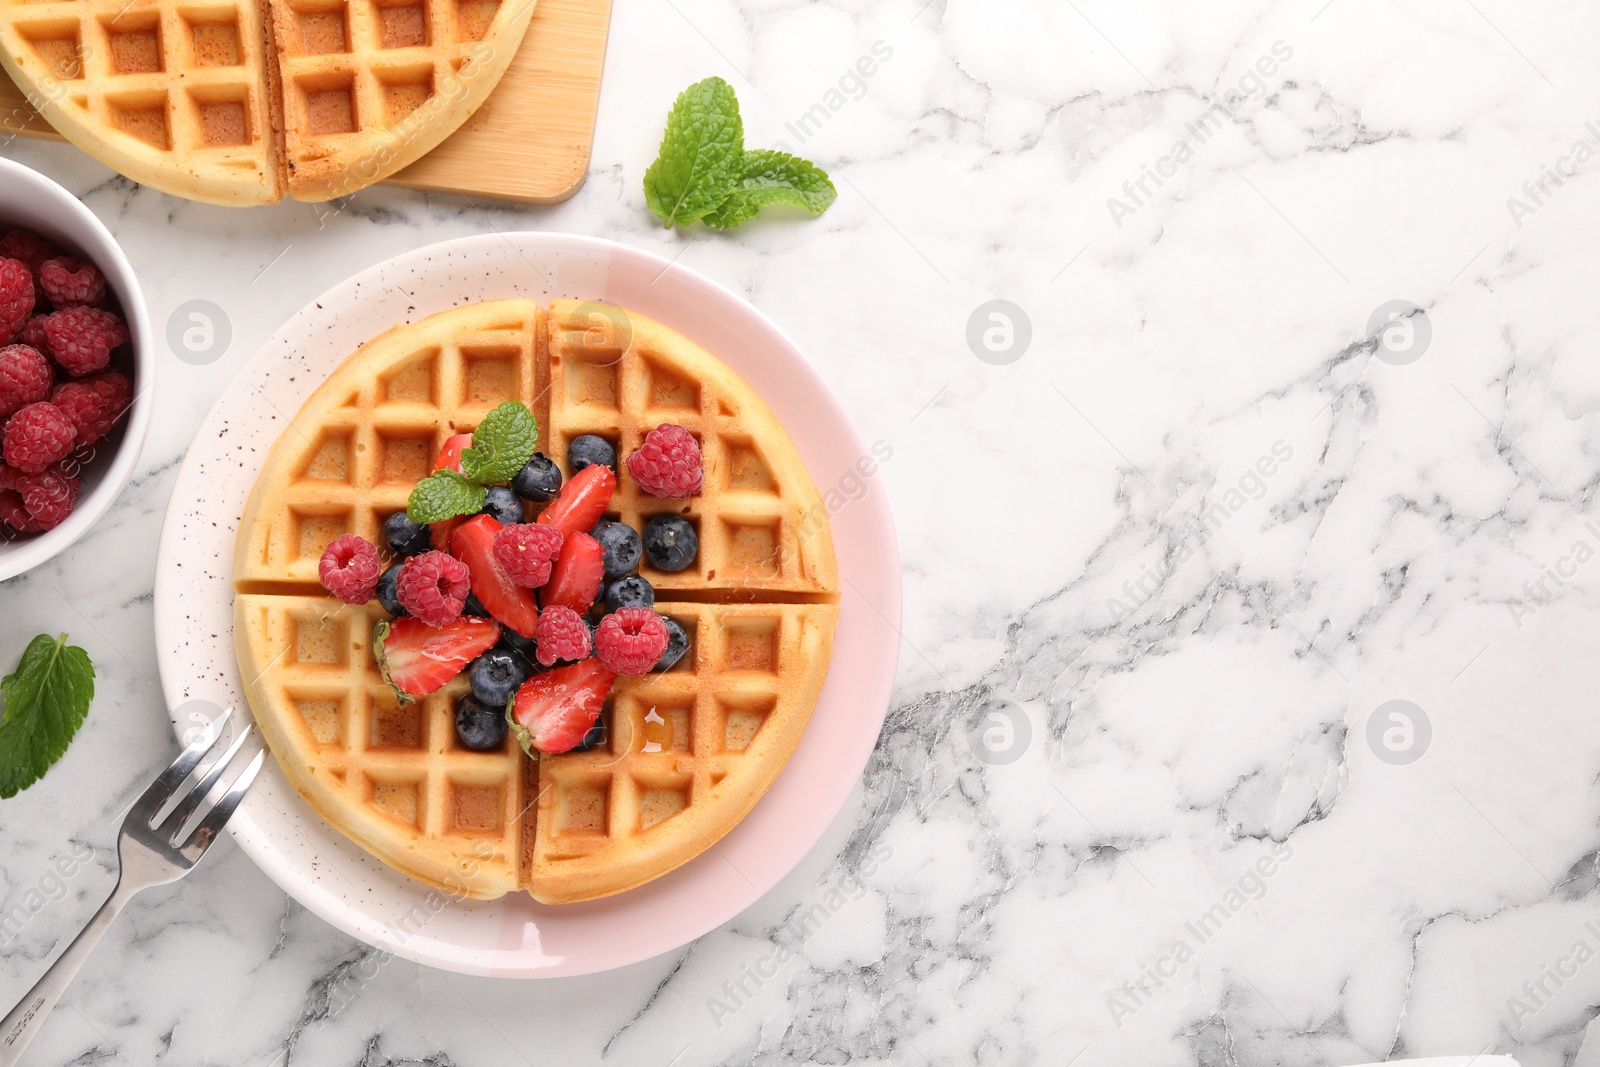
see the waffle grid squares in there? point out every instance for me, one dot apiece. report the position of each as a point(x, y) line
point(621, 393)
point(354, 67)
point(372, 450)
point(670, 733)
point(204, 99)
point(157, 74)
point(688, 750)
point(377, 752)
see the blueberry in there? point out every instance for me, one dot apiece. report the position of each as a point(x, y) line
point(503, 504)
point(588, 449)
point(473, 606)
point(404, 536)
point(539, 480)
point(630, 591)
point(677, 645)
point(495, 676)
point(480, 727)
point(670, 542)
point(526, 647)
point(388, 594)
point(622, 547)
point(595, 737)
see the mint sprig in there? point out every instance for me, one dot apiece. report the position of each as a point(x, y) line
point(700, 153)
point(444, 495)
point(46, 699)
point(771, 177)
point(501, 446)
point(704, 172)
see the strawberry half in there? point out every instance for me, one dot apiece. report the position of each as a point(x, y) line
point(449, 457)
point(582, 501)
point(473, 544)
point(575, 579)
point(439, 533)
point(417, 659)
point(554, 710)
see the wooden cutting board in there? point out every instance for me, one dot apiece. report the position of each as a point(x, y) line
point(530, 141)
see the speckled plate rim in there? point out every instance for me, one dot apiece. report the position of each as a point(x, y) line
point(516, 937)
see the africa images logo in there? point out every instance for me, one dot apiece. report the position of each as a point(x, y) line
point(1250, 86)
point(1538, 190)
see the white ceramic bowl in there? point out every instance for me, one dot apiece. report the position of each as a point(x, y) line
point(31, 200)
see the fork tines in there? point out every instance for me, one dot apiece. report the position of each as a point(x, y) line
point(175, 819)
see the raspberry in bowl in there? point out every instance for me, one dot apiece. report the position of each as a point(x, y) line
point(76, 362)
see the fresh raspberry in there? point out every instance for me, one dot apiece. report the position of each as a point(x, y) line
point(25, 378)
point(82, 339)
point(349, 569)
point(14, 513)
point(16, 298)
point(94, 404)
point(33, 333)
point(113, 386)
point(562, 635)
point(433, 587)
point(29, 249)
point(10, 479)
point(668, 463)
point(49, 497)
point(72, 282)
point(37, 436)
point(527, 550)
point(630, 641)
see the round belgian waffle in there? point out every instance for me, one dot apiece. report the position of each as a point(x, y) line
point(688, 751)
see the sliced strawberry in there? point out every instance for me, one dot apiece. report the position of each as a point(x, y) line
point(582, 501)
point(416, 658)
point(554, 710)
point(575, 579)
point(449, 457)
point(439, 533)
point(473, 544)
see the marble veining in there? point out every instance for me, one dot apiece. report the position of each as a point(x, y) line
point(1145, 794)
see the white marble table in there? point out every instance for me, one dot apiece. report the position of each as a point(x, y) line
point(1162, 568)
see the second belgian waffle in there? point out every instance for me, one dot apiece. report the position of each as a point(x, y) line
point(244, 101)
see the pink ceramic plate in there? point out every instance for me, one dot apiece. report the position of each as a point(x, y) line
point(515, 937)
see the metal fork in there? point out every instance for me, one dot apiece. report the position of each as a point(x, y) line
point(150, 853)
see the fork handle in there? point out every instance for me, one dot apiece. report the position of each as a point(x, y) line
point(25, 1020)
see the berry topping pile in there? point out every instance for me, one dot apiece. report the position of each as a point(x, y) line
point(60, 393)
point(503, 570)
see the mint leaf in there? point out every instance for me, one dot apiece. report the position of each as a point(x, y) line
point(503, 442)
point(46, 699)
point(700, 153)
point(444, 495)
point(767, 177)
